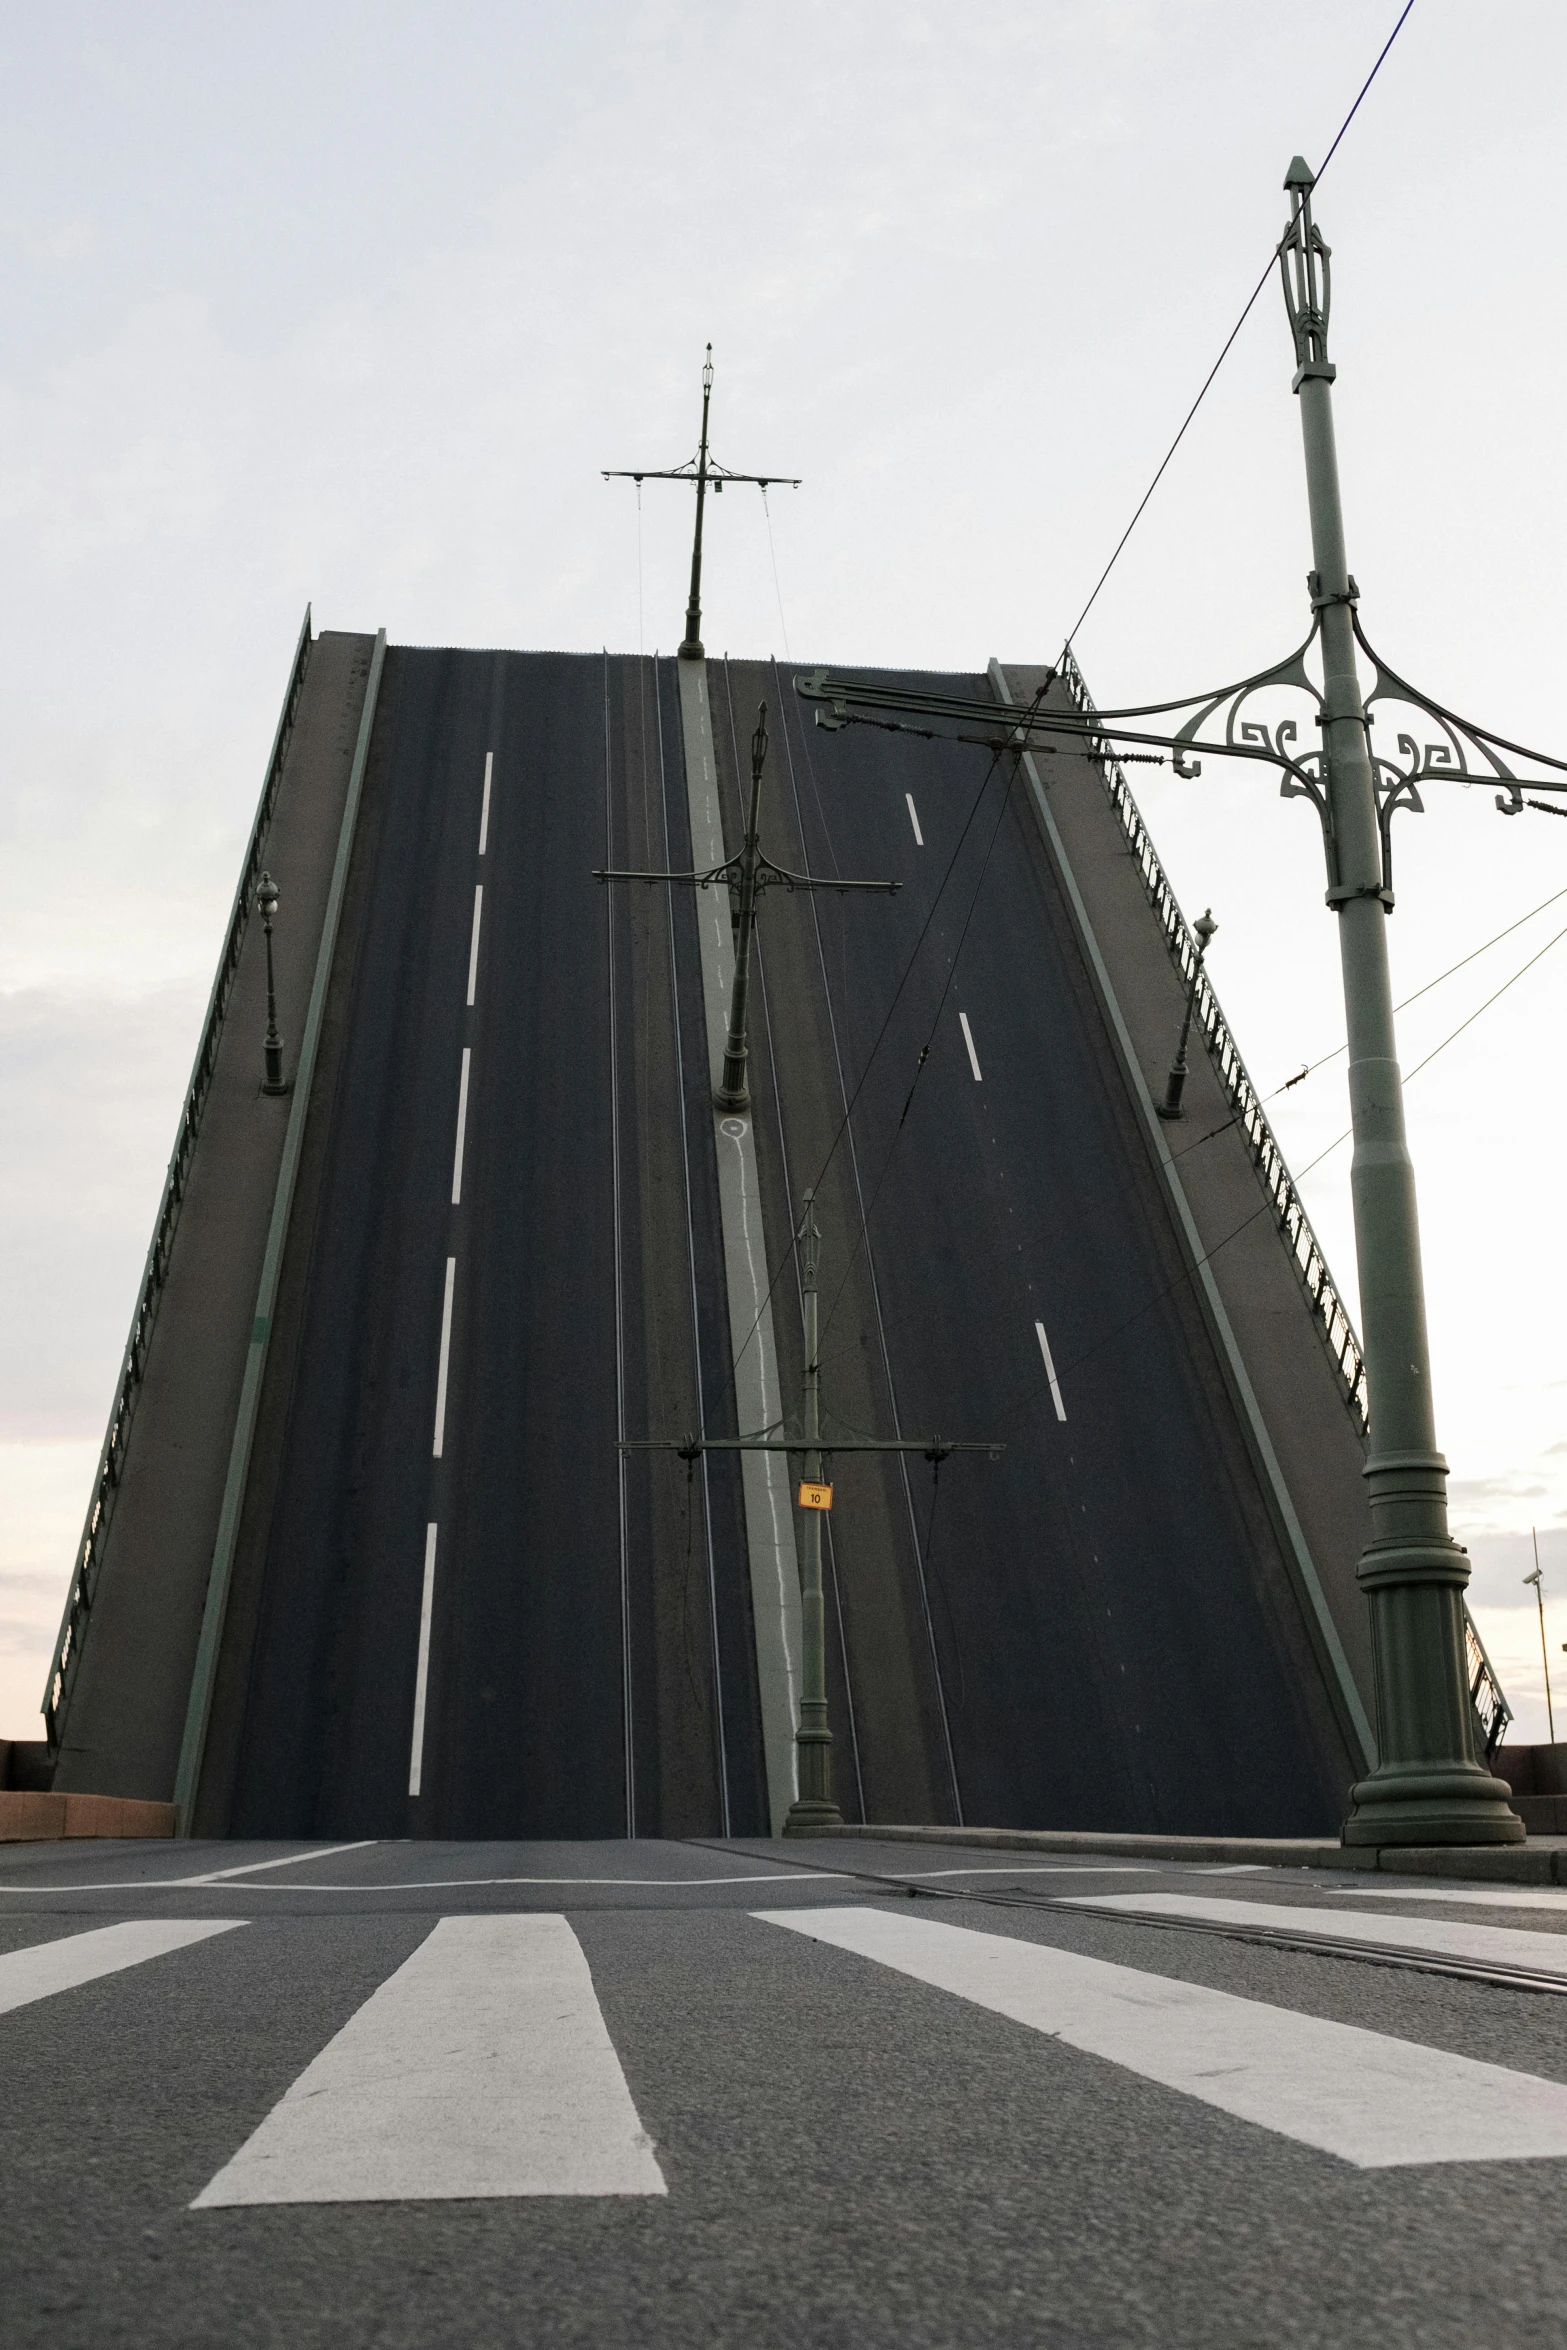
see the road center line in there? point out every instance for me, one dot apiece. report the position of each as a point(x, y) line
point(919, 837)
point(473, 951)
point(446, 1350)
point(462, 1126)
point(1050, 1372)
point(484, 813)
point(482, 2067)
point(1370, 2099)
point(790, 1876)
point(290, 1860)
point(422, 1673)
point(26, 1975)
point(968, 1039)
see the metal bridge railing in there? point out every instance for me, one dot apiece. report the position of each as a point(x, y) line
point(1491, 1710)
point(1338, 1333)
point(111, 1461)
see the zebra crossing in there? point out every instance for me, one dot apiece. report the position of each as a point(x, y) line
point(482, 2066)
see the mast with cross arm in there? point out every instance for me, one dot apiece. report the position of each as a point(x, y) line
point(700, 469)
point(814, 1806)
point(746, 877)
point(1427, 1785)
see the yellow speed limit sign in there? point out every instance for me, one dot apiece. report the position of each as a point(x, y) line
point(816, 1497)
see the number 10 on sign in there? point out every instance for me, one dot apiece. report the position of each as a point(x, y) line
point(816, 1497)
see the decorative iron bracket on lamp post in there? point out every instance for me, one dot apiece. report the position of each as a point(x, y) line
point(1222, 725)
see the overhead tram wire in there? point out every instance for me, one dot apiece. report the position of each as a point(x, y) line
point(1228, 344)
point(920, 1552)
point(765, 999)
point(1463, 962)
point(862, 1238)
point(1163, 466)
point(787, 1255)
point(1473, 955)
point(720, 1729)
point(1082, 616)
point(920, 1549)
point(783, 625)
point(1030, 1404)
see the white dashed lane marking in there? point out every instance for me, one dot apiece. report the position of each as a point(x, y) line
point(1050, 1371)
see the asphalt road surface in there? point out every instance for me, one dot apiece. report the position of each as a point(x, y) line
point(1097, 1631)
point(664, 2093)
point(469, 1615)
point(458, 1610)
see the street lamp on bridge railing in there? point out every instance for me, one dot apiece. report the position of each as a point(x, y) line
point(1175, 1083)
point(1426, 1786)
point(274, 1080)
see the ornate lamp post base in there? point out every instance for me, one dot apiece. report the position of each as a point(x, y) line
point(1451, 1803)
point(809, 1819)
point(1428, 1791)
point(813, 1808)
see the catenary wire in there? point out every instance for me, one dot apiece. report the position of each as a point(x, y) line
point(787, 1254)
point(1076, 1362)
point(1228, 344)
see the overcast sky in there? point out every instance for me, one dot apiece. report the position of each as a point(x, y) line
point(351, 303)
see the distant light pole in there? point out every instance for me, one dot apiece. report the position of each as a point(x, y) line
point(1539, 1601)
point(815, 1805)
point(1175, 1083)
point(272, 1051)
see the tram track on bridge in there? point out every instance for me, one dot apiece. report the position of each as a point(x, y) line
point(1495, 1973)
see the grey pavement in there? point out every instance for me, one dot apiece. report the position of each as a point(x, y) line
point(501, 1259)
point(1106, 1611)
point(851, 2155)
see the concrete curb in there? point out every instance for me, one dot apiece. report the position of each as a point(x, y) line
point(769, 1510)
point(204, 1674)
point(1541, 1862)
point(45, 1819)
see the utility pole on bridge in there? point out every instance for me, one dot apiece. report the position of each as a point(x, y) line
point(1426, 1785)
point(700, 469)
point(747, 876)
point(815, 1806)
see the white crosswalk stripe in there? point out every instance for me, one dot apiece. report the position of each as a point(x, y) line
point(482, 2067)
point(1465, 1938)
point(48, 1967)
point(1372, 2100)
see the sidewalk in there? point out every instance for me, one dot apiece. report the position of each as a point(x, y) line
point(1542, 1861)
